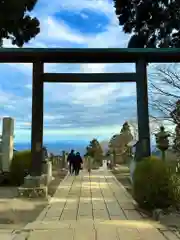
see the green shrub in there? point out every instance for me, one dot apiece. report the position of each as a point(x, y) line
point(152, 158)
point(20, 166)
point(154, 185)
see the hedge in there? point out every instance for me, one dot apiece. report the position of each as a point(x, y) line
point(20, 167)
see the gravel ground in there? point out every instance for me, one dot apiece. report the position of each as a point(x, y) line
point(17, 212)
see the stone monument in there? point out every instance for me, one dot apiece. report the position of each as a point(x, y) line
point(7, 144)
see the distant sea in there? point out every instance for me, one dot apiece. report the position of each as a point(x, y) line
point(57, 147)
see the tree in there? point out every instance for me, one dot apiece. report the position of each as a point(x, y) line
point(175, 114)
point(154, 125)
point(134, 126)
point(108, 153)
point(94, 150)
point(125, 128)
point(15, 23)
point(155, 23)
point(164, 88)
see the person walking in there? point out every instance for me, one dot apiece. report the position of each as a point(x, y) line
point(77, 163)
point(89, 164)
point(70, 160)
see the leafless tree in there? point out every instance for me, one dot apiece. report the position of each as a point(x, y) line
point(154, 126)
point(164, 90)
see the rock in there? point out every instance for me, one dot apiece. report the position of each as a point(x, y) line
point(157, 213)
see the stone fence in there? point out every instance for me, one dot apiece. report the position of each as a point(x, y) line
point(59, 162)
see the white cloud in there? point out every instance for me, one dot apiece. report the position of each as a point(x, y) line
point(29, 86)
point(52, 117)
point(23, 124)
point(4, 97)
point(60, 31)
point(25, 68)
point(107, 130)
point(86, 102)
point(84, 16)
point(99, 132)
point(103, 6)
point(92, 68)
point(94, 96)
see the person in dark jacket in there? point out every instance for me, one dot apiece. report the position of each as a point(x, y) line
point(77, 163)
point(70, 160)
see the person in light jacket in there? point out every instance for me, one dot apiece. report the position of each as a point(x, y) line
point(89, 163)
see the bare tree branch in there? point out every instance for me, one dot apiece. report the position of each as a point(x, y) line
point(164, 90)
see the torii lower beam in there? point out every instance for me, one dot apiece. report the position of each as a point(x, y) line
point(89, 77)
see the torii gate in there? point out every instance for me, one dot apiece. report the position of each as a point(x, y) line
point(39, 56)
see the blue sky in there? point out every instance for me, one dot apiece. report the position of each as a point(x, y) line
point(72, 111)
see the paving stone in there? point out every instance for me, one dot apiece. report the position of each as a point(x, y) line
point(48, 219)
point(51, 214)
point(84, 217)
point(42, 215)
point(128, 233)
point(80, 209)
point(118, 217)
point(150, 233)
point(47, 225)
point(85, 212)
point(115, 211)
point(7, 231)
point(127, 206)
point(6, 236)
point(107, 233)
point(170, 235)
point(21, 236)
point(65, 233)
point(98, 206)
point(84, 223)
point(68, 217)
point(133, 215)
point(101, 215)
point(82, 234)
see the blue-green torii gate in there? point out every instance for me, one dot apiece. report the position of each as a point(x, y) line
point(40, 56)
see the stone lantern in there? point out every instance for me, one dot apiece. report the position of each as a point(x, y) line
point(162, 141)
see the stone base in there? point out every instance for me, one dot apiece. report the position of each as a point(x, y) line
point(4, 178)
point(33, 181)
point(36, 192)
point(167, 218)
point(33, 187)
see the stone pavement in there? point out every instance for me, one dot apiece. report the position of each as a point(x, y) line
point(94, 206)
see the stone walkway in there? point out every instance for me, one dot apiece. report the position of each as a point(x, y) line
point(92, 207)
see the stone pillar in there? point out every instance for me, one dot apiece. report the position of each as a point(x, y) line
point(132, 168)
point(63, 160)
point(7, 143)
point(49, 172)
point(142, 109)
